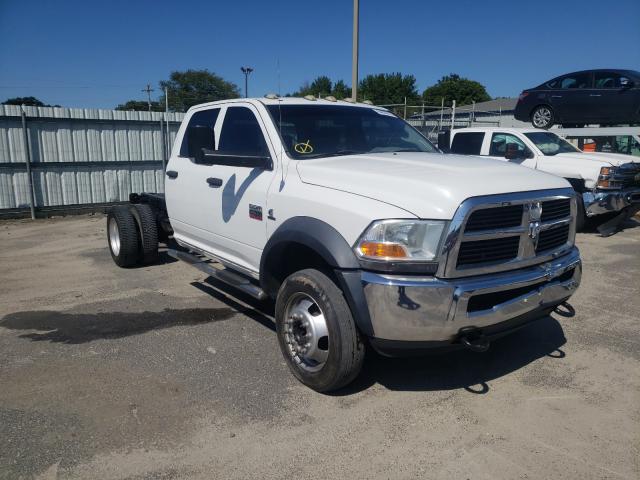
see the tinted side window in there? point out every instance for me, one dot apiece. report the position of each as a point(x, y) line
point(468, 143)
point(609, 80)
point(499, 143)
point(204, 119)
point(241, 134)
point(580, 80)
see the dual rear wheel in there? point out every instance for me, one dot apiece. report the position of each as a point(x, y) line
point(132, 234)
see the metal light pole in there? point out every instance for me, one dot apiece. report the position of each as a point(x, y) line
point(246, 71)
point(354, 59)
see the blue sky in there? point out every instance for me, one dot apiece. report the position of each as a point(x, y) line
point(100, 53)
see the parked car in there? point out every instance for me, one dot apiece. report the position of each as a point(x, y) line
point(607, 183)
point(603, 97)
point(364, 234)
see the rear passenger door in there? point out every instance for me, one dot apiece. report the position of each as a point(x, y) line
point(467, 143)
point(190, 201)
point(570, 97)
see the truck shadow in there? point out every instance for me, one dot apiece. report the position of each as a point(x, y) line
point(444, 371)
point(462, 368)
point(77, 328)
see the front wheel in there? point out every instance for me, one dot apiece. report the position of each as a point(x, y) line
point(316, 331)
point(542, 117)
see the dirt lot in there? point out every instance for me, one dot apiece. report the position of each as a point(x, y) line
point(155, 373)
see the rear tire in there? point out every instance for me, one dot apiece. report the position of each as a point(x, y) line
point(149, 229)
point(325, 361)
point(123, 237)
point(542, 117)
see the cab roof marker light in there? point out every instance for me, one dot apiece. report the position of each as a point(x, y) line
point(350, 100)
point(331, 98)
point(311, 98)
point(272, 96)
point(368, 102)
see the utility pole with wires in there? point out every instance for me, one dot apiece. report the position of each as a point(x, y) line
point(355, 52)
point(148, 90)
point(246, 71)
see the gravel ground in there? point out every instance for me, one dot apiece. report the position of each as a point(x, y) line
point(157, 373)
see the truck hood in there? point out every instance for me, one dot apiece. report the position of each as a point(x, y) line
point(603, 159)
point(428, 185)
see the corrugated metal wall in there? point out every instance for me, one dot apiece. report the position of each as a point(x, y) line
point(81, 156)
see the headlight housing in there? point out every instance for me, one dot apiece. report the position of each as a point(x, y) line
point(604, 179)
point(401, 245)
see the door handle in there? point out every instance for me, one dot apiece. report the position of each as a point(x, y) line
point(172, 174)
point(556, 96)
point(214, 182)
point(595, 95)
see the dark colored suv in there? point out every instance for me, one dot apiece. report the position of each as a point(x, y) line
point(604, 97)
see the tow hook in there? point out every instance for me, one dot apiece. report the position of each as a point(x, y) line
point(473, 339)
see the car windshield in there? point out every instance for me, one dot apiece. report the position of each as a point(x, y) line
point(550, 143)
point(312, 131)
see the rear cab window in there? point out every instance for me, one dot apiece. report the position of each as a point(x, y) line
point(467, 143)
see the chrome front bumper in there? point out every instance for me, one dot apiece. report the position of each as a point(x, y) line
point(596, 203)
point(429, 309)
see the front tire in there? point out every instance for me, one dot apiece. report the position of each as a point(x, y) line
point(316, 331)
point(542, 117)
point(123, 237)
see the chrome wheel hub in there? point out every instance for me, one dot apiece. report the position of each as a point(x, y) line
point(114, 236)
point(306, 333)
point(542, 117)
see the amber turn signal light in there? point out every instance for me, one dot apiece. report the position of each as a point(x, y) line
point(379, 249)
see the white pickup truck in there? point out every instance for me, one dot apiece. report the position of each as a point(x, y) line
point(608, 184)
point(361, 230)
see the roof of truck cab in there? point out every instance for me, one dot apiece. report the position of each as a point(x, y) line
point(500, 129)
point(285, 101)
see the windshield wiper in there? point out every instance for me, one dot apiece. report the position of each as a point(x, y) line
point(335, 154)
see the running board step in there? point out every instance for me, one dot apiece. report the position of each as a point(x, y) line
point(224, 275)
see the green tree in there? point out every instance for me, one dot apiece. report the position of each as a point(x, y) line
point(387, 88)
point(31, 101)
point(192, 87)
point(141, 105)
point(454, 87)
point(321, 86)
point(341, 90)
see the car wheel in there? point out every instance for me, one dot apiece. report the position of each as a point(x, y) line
point(542, 117)
point(316, 331)
point(123, 237)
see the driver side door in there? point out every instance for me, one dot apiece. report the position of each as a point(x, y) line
point(502, 142)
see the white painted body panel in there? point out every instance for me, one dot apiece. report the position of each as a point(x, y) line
point(579, 165)
point(347, 192)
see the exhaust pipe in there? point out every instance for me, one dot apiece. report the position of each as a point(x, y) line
point(473, 339)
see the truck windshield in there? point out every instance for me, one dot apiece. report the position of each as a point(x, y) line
point(550, 143)
point(312, 131)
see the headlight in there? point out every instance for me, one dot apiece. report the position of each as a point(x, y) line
point(604, 179)
point(400, 243)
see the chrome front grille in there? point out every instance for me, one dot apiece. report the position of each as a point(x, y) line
point(624, 176)
point(505, 232)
